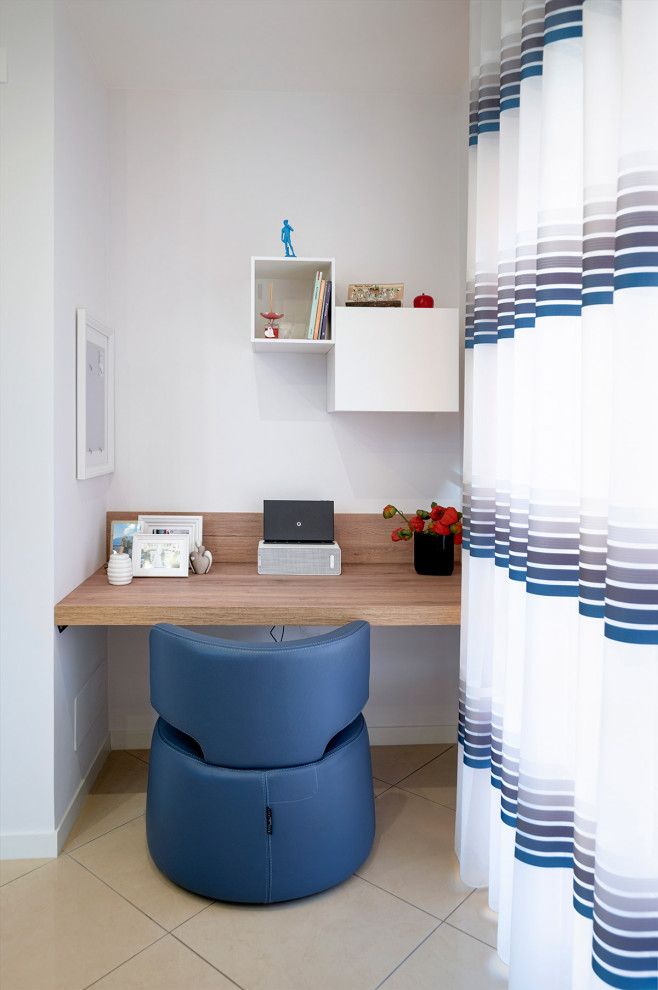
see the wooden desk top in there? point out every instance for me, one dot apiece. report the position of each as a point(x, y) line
point(378, 583)
point(235, 594)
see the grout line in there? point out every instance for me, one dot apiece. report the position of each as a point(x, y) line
point(134, 755)
point(470, 935)
point(421, 767)
point(67, 852)
point(181, 923)
point(408, 956)
point(27, 872)
point(207, 961)
point(436, 804)
point(134, 956)
point(470, 894)
point(137, 908)
point(408, 790)
point(196, 914)
point(402, 899)
point(128, 752)
point(122, 896)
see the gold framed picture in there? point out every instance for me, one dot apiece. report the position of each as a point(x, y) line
point(375, 294)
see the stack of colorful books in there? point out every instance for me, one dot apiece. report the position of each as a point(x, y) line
point(319, 325)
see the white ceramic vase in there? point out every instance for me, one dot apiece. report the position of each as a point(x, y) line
point(119, 569)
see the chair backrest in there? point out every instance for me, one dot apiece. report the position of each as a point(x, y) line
point(260, 704)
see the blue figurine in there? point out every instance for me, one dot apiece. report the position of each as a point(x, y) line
point(285, 237)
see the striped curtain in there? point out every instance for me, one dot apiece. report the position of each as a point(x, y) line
point(558, 778)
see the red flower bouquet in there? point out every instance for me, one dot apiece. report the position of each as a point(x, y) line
point(440, 521)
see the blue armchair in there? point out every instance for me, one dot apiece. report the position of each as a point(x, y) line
point(260, 783)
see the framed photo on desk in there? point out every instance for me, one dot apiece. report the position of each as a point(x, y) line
point(122, 532)
point(161, 555)
point(175, 526)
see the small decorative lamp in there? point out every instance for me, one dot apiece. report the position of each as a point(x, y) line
point(271, 328)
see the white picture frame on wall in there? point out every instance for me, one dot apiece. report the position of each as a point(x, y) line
point(94, 397)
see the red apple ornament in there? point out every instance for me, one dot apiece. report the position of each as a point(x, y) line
point(423, 302)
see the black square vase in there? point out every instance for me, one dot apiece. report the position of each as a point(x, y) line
point(434, 554)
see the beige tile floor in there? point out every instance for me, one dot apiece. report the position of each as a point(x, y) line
point(101, 915)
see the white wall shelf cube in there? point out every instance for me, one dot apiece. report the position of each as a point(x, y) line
point(293, 281)
point(394, 359)
point(291, 346)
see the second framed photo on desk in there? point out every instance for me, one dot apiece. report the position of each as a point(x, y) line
point(168, 525)
point(161, 555)
point(121, 535)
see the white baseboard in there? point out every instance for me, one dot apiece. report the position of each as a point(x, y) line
point(131, 738)
point(75, 806)
point(47, 845)
point(28, 845)
point(411, 735)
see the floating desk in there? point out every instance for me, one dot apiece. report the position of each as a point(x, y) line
point(378, 584)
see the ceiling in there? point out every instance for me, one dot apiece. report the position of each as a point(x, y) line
point(345, 46)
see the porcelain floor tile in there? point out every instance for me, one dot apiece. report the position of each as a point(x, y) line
point(118, 795)
point(10, 869)
point(392, 763)
point(121, 858)
point(413, 855)
point(437, 780)
point(476, 918)
point(62, 929)
point(165, 965)
point(347, 938)
point(450, 960)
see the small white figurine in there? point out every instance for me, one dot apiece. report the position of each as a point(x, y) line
point(201, 559)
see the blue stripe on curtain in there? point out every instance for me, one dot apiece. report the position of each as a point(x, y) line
point(637, 259)
point(636, 280)
point(595, 280)
point(622, 635)
point(528, 59)
point(582, 908)
point(563, 20)
point(531, 70)
point(593, 611)
point(552, 590)
point(597, 298)
point(576, 31)
point(545, 862)
point(629, 963)
point(623, 982)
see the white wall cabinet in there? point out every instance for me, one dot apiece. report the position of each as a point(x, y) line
point(293, 282)
point(394, 359)
point(379, 358)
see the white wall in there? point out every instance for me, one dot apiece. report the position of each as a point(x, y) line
point(82, 223)
point(54, 162)
point(26, 429)
point(200, 182)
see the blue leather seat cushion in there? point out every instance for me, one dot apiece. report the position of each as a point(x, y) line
point(207, 825)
